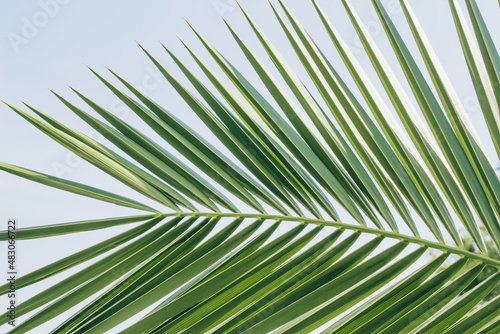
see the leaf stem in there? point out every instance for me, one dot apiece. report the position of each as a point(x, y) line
point(393, 235)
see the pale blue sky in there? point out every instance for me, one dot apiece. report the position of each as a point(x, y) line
point(46, 45)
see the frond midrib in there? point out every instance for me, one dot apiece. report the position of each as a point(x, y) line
point(359, 228)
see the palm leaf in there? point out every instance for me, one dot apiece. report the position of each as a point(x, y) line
point(324, 233)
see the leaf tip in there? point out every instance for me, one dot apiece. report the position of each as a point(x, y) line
point(189, 24)
point(143, 49)
point(182, 41)
point(74, 90)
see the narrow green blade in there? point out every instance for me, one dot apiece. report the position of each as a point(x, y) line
point(446, 139)
point(272, 263)
point(357, 125)
point(338, 304)
point(402, 306)
point(74, 187)
point(199, 151)
point(477, 319)
point(73, 227)
point(485, 70)
point(98, 159)
point(81, 256)
point(189, 175)
point(459, 308)
point(319, 295)
point(378, 304)
point(97, 276)
point(279, 279)
point(185, 269)
point(398, 138)
point(216, 283)
point(430, 306)
point(485, 175)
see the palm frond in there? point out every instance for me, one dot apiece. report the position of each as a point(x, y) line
point(319, 223)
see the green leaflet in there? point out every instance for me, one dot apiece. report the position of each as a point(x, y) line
point(181, 171)
point(239, 141)
point(485, 71)
point(357, 125)
point(327, 311)
point(446, 138)
point(256, 155)
point(143, 278)
point(298, 181)
point(403, 305)
point(214, 284)
point(385, 299)
point(99, 159)
point(318, 295)
point(479, 318)
point(471, 146)
point(74, 227)
point(315, 161)
point(427, 308)
point(456, 310)
point(81, 256)
point(70, 261)
point(198, 150)
point(491, 328)
point(128, 146)
point(314, 271)
point(98, 275)
point(74, 187)
point(397, 138)
point(261, 270)
point(299, 267)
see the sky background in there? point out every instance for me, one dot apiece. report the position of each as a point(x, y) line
point(49, 44)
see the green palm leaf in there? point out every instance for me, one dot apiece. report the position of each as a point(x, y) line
point(323, 219)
